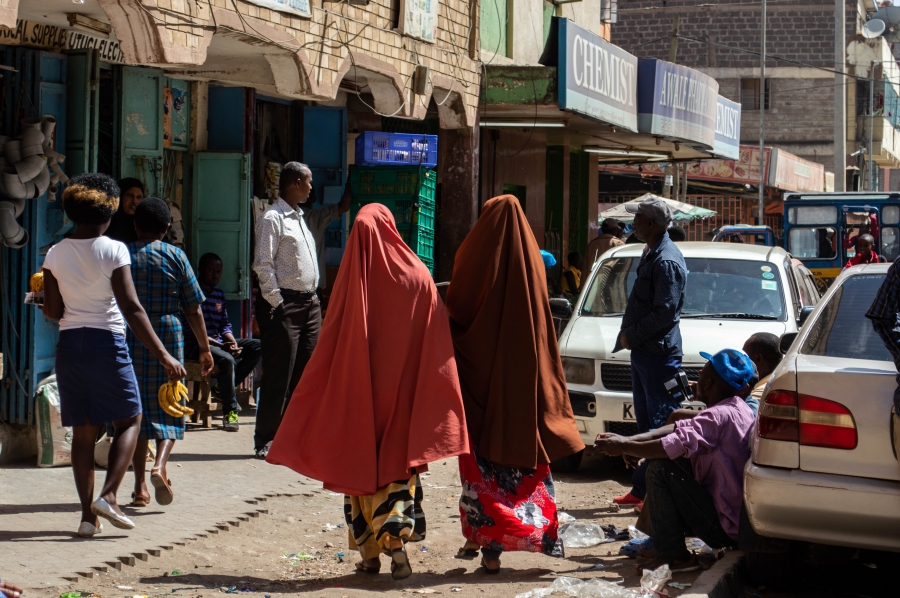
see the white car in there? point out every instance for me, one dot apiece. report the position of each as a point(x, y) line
point(733, 291)
point(823, 467)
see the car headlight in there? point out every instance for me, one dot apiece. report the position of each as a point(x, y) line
point(578, 371)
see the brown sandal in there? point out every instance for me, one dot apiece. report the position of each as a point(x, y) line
point(164, 494)
point(139, 501)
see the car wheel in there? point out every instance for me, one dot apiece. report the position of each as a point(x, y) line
point(769, 569)
point(568, 464)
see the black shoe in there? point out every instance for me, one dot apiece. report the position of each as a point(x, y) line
point(263, 452)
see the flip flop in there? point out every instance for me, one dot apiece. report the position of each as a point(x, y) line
point(164, 495)
point(466, 553)
point(400, 568)
point(139, 501)
point(363, 568)
point(488, 570)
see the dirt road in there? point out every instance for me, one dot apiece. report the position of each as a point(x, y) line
point(300, 547)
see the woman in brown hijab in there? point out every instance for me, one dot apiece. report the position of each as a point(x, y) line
point(513, 387)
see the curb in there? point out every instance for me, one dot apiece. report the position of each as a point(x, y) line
point(722, 580)
point(130, 559)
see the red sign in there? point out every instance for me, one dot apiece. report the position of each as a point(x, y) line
point(743, 171)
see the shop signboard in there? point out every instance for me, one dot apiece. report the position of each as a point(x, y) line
point(32, 34)
point(791, 173)
point(596, 78)
point(743, 171)
point(676, 102)
point(728, 129)
point(419, 18)
point(300, 8)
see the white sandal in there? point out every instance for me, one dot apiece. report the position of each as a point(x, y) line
point(88, 530)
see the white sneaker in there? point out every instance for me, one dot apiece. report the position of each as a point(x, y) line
point(87, 530)
point(101, 508)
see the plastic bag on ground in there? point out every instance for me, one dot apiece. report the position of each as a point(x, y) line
point(636, 534)
point(565, 518)
point(581, 535)
point(655, 581)
point(592, 588)
point(53, 439)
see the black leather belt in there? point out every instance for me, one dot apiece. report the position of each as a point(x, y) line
point(300, 294)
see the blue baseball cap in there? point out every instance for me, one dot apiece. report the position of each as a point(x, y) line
point(733, 365)
point(549, 260)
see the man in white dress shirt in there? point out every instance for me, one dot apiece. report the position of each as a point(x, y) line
point(287, 309)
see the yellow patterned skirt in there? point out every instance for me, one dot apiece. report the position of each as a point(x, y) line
point(394, 511)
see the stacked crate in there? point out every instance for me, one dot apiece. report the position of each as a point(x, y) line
point(407, 191)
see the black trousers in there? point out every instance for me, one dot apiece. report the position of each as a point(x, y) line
point(289, 335)
point(680, 506)
point(232, 370)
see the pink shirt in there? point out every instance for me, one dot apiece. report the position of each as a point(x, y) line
point(717, 441)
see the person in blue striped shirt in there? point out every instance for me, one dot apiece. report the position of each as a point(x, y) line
point(235, 358)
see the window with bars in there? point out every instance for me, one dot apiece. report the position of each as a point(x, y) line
point(750, 94)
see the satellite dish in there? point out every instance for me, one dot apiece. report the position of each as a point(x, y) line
point(885, 22)
point(873, 28)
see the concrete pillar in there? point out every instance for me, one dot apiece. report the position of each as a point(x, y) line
point(459, 194)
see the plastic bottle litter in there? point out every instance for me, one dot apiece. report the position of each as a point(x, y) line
point(565, 518)
point(636, 534)
point(592, 588)
point(594, 567)
point(581, 535)
point(655, 581)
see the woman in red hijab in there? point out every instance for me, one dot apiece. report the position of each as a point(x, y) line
point(380, 398)
point(513, 387)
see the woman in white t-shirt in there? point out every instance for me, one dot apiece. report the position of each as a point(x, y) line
point(88, 289)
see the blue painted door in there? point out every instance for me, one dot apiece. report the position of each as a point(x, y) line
point(28, 338)
point(141, 126)
point(81, 131)
point(325, 152)
point(220, 217)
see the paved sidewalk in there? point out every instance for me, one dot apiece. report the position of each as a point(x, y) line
point(213, 473)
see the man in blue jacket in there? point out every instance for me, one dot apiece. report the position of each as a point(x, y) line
point(650, 325)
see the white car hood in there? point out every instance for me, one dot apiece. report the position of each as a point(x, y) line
point(595, 337)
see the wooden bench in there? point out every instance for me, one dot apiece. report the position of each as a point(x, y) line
point(199, 393)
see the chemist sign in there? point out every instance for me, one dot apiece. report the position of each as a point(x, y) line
point(728, 129)
point(596, 78)
point(677, 103)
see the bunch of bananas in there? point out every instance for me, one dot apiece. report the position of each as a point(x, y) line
point(37, 282)
point(169, 396)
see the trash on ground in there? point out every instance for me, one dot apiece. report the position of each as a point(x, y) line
point(594, 567)
point(125, 587)
point(636, 534)
point(591, 588)
point(329, 527)
point(456, 589)
point(340, 554)
point(565, 518)
point(614, 534)
point(420, 591)
point(232, 590)
point(423, 548)
point(679, 586)
point(656, 580)
point(581, 535)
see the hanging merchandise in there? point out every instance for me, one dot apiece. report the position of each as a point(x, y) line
point(26, 164)
point(273, 176)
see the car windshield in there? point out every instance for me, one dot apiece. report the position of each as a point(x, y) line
point(842, 329)
point(715, 288)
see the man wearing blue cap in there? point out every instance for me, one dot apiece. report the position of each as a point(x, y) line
point(695, 478)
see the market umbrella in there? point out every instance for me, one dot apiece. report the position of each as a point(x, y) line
point(681, 211)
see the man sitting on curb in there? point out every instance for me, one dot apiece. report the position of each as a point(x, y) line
point(695, 474)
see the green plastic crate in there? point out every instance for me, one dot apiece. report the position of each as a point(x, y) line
point(423, 243)
point(406, 181)
point(400, 207)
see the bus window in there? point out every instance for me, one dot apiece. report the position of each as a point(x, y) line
point(856, 224)
point(812, 215)
point(890, 242)
point(890, 215)
point(812, 243)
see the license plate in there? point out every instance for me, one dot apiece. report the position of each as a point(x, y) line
point(628, 411)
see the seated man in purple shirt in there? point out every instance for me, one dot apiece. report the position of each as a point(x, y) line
point(235, 358)
point(695, 478)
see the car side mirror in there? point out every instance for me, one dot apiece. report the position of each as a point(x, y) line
point(561, 308)
point(787, 339)
point(804, 313)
